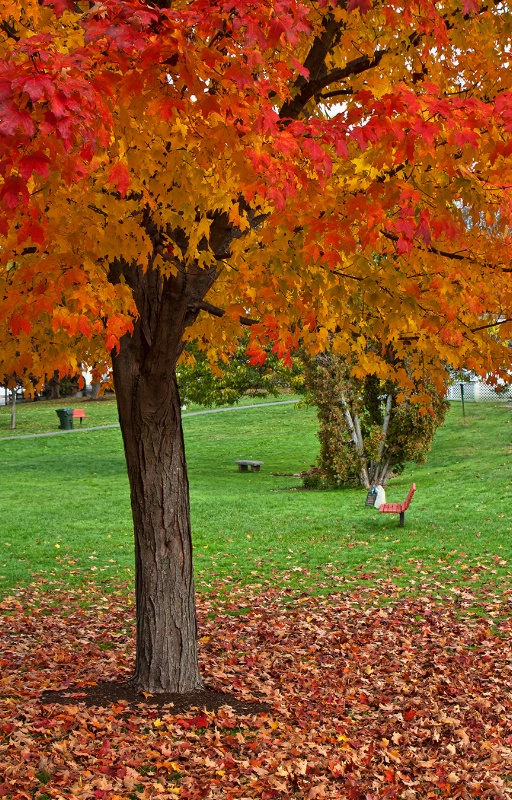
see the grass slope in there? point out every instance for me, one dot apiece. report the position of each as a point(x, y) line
point(66, 511)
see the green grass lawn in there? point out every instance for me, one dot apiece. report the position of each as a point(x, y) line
point(41, 417)
point(66, 510)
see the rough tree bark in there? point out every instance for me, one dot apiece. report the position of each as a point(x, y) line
point(150, 418)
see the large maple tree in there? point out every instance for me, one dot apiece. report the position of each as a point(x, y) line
point(170, 170)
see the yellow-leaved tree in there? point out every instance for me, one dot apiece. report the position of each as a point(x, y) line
point(318, 170)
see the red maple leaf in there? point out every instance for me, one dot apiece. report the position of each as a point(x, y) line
point(33, 231)
point(19, 323)
point(120, 177)
point(11, 119)
point(59, 6)
point(35, 162)
point(36, 86)
point(12, 190)
point(362, 5)
point(470, 5)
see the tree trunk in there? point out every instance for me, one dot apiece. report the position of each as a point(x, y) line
point(381, 472)
point(357, 439)
point(13, 409)
point(54, 385)
point(150, 418)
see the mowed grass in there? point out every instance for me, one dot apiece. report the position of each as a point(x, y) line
point(66, 510)
point(41, 417)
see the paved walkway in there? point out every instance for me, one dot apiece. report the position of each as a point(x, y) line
point(116, 424)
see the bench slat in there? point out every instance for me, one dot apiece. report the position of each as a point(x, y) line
point(392, 508)
point(399, 508)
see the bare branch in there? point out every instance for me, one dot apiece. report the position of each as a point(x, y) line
point(215, 311)
point(491, 325)
point(9, 30)
point(431, 249)
point(336, 93)
point(292, 108)
point(315, 64)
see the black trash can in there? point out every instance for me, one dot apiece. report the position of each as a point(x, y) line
point(66, 418)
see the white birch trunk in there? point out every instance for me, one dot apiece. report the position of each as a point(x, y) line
point(385, 426)
point(357, 438)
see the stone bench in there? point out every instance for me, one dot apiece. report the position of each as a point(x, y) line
point(244, 464)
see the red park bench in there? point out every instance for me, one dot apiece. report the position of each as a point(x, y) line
point(399, 508)
point(79, 413)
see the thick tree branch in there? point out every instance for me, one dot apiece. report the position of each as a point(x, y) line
point(320, 78)
point(9, 30)
point(215, 311)
point(431, 249)
point(315, 64)
point(491, 325)
point(293, 108)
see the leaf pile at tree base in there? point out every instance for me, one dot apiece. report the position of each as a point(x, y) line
point(112, 692)
point(370, 695)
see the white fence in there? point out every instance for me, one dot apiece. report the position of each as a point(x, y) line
point(478, 392)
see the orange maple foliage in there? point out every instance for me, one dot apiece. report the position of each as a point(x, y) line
point(348, 164)
point(329, 173)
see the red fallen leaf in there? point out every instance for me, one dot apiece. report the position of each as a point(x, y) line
point(196, 722)
point(7, 728)
point(336, 768)
point(389, 775)
point(409, 714)
point(104, 749)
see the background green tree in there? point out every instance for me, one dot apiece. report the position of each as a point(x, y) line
point(230, 377)
point(369, 428)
